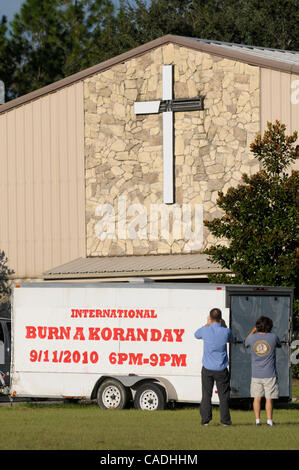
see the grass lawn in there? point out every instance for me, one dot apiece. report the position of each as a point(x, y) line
point(50, 426)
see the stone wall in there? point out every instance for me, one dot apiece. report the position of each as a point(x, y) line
point(123, 151)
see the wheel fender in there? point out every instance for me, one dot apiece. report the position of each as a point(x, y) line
point(129, 381)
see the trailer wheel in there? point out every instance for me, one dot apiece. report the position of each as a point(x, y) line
point(150, 397)
point(112, 394)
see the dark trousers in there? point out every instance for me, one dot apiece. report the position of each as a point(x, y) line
point(208, 377)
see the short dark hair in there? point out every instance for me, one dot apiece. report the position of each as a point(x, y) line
point(264, 324)
point(215, 314)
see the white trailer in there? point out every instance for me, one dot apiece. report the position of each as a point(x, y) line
point(124, 342)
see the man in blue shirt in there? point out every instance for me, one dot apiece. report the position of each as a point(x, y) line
point(214, 366)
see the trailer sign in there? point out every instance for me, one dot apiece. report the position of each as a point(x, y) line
point(87, 334)
point(121, 342)
point(86, 340)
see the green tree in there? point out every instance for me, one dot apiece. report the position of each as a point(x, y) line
point(254, 22)
point(150, 21)
point(5, 272)
point(260, 221)
point(6, 57)
point(51, 40)
point(35, 38)
point(269, 24)
point(103, 32)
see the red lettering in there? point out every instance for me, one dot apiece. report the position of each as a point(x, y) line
point(135, 359)
point(79, 334)
point(142, 334)
point(33, 355)
point(178, 361)
point(106, 334)
point(112, 358)
point(118, 333)
point(42, 331)
point(94, 357)
point(65, 332)
point(130, 335)
point(154, 358)
point(67, 357)
point(156, 335)
point(93, 334)
point(164, 358)
point(167, 336)
point(179, 334)
point(112, 313)
point(122, 357)
point(76, 357)
point(31, 332)
point(146, 314)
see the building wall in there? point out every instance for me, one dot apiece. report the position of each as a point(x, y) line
point(73, 150)
point(124, 151)
point(280, 100)
point(42, 188)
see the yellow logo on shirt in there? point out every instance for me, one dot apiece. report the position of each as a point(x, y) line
point(261, 348)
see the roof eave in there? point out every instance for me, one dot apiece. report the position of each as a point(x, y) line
point(140, 50)
point(121, 274)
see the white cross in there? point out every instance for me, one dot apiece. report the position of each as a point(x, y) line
point(168, 106)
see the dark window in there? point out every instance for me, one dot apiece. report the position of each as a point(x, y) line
point(2, 355)
point(8, 324)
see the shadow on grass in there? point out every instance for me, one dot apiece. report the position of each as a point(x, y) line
point(245, 404)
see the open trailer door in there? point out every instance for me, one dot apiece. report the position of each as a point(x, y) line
point(246, 306)
point(5, 350)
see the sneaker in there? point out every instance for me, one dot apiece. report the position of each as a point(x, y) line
point(271, 424)
point(258, 424)
point(226, 424)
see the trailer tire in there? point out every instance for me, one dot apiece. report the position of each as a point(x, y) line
point(150, 396)
point(112, 395)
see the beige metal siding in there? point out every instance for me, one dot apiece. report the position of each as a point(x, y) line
point(42, 186)
point(276, 102)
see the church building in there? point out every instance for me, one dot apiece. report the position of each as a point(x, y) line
point(109, 173)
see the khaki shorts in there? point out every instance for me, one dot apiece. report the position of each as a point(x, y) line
point(264, 387)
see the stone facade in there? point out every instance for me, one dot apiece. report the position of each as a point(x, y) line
point(123, 151)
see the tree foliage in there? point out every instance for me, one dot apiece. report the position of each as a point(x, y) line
point(5, 272)
point(47, 41)
point(260, 221)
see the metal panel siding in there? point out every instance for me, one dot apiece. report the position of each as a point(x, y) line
point(295, 114)
point(42, 185)
point(276, 102)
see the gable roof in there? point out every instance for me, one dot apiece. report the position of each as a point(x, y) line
point(277, 55)
point(285, 61)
